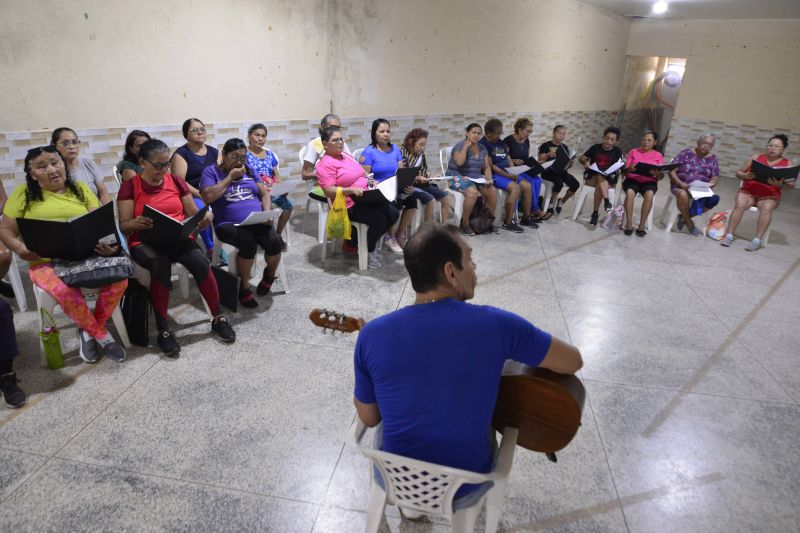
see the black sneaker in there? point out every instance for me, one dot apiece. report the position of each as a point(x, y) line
point(6, 289)
point(88, 348)
point(511, 226)
point(607, 204)
point(593, 220)
point(246, 299)
point(529, 222)
point(558, 207)
point(13, 395)
point(114, 351)
point(166, 341)
point(224, 330)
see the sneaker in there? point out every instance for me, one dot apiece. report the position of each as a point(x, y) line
point(494, 230)
point(694, 232)
point(88, 347)
point(12, 395)
point(391, 244)
point(593, 220)
point(511, 226)
point(374, 259)
point(467, 231)
point(607, 204)
point(265, 285)
point(114, 351)
point(640, 233)
point(6, 289)
point(727, 241)
point(753, 245)
point(349, 248)
point(224, 330)
point(529, 222)
point(680, 224)
point(401, 240)
point(246, 299)
point(558, 207)
point(166, 341)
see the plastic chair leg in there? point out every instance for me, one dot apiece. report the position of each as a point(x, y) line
point(585, 190)
point(363, 250)
point(16, 283)
point(464, 519)
point(494, 505)
point(119, 324)
point(375, 509)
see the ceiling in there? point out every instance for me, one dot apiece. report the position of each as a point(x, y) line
point(704, 9)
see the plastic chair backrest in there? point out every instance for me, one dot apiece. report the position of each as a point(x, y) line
point(302, 155)
point(444, 158)
point(357, 154)
point(117, 176)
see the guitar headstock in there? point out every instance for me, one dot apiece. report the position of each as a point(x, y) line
point(327, 319)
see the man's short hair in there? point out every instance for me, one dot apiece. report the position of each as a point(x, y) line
point(426, 253)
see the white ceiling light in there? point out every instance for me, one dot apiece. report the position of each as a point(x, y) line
point(660, 7)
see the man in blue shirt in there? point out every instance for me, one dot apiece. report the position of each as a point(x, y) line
point(431, 371)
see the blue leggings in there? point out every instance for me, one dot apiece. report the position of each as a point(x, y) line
point(207, 234)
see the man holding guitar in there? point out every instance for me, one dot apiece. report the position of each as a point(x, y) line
point(430, 372)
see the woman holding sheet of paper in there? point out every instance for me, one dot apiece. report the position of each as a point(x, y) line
point(234, 190)
point(471, 169)
point(646, 185)
point(765, 196)
point(519, 149)
point(265, 164)
point(603, 156)
point(171, 195)
point(698, 171)
point(50, 193)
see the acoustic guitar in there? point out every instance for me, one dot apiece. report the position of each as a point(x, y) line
point(545, 406)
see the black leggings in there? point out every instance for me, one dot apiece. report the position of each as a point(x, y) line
point(561, 178)
point(247, 239)
point(160, 264)
point(379, 218)
point(8, 338)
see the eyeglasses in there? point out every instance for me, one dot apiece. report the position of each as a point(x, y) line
point(159, 166)
point(197, 130)
point(339, 140)
point(68, 143)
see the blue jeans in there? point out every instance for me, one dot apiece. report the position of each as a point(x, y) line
point(536, 187)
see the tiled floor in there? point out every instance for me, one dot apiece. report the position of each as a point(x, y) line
point(691, 368)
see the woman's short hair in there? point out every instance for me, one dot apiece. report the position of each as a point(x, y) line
point(651, 132)
point(258, 126)
point(373, 132)
point(612, 129)
point(427, 251)
point(559, 127)
point(129, 141)
point(412, 137)
point(57, 134)
point(326, 132)
point(231, 145)
point(153, 146)
point(187, 124)
point(522, 123)
point(472, 125)
point(493, 125)
point(782, 138)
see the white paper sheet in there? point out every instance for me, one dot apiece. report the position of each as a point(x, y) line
point(518, 170)
point(259, 217)
point(700, 189)
point(388, 188)
point(610, 170)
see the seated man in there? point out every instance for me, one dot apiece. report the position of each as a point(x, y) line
point(435, 394)
point(314, 152)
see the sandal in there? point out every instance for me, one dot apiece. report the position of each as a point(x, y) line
point(640, 233)
point(542, 216)
point(265, 285)
point(629, 231)
point(246, 299)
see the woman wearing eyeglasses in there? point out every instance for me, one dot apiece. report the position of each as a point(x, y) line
point(50, 193)
point(190, 160)
point(81, 169)
point(170, 194)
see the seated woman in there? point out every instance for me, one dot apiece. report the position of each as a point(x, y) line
point(697, 164)
point(337, 169)
point(558, 173)
point(646, 185)
point(234, 190)
point(511, 183)
point(12, 395)
point(413, 151)
point(50, 193)
point(265, 164)
point(189, 161)
point(765, 196)
point(159, 189)
point(315, 151)
point(382, 159)
point(519, 149)
point(5, 254)
point(128, 167)
point(80, 169)
point(470, 159)
point(603, 155)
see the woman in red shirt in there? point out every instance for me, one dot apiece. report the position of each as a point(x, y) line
point(765, 196)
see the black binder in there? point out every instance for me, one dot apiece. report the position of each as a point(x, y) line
point(72, 240)
point(764, 172)
point(167, 233)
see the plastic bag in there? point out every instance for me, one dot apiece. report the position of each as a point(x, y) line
point(715, 229)
point(338, 225)
point(51, 342)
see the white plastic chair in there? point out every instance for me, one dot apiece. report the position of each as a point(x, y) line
point(321, 205)
point(753, 210)
point(117, 176)
point(45, 301)
point(588, 191)
point(357, 154)
point(670, 213)
point(648, 223)
point(15, 279)
point(361, 230)
point(142, 275)
point(418, 487)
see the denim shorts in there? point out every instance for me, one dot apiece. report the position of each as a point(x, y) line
point(282, 201)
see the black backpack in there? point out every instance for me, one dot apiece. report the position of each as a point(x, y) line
point(136, 312)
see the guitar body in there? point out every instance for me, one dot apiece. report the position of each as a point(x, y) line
point(545, 406)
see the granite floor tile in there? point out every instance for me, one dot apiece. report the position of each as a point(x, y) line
point(336, 520)
point(15, 468)
point(69, 496)
point(774, 346)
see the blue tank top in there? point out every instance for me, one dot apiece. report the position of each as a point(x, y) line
point(197, 163)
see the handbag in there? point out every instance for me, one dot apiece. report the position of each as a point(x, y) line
point(481, 220)
point(717, 225)
point(51, 341)
point(338, 225)
point(95, 271)
point(136, 312)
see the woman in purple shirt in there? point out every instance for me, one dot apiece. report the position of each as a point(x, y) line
point(233, 191)
point(697, 164)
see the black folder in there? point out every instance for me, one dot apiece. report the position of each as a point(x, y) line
point(643, 169)
point(406, 177)
point(167, 233)
point(228, 286)
point(72, 240)
point(764, 172)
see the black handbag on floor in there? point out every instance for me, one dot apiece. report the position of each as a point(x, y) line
point(136, 312)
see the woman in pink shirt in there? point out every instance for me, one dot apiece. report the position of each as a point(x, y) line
point(646, 185)
point(339, 169)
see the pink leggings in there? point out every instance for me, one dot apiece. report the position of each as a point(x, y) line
point(72, 302)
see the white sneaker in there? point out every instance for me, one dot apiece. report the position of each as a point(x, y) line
point(374, 259)
point(392, 245)
point(727, 240)
point(753, 245)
